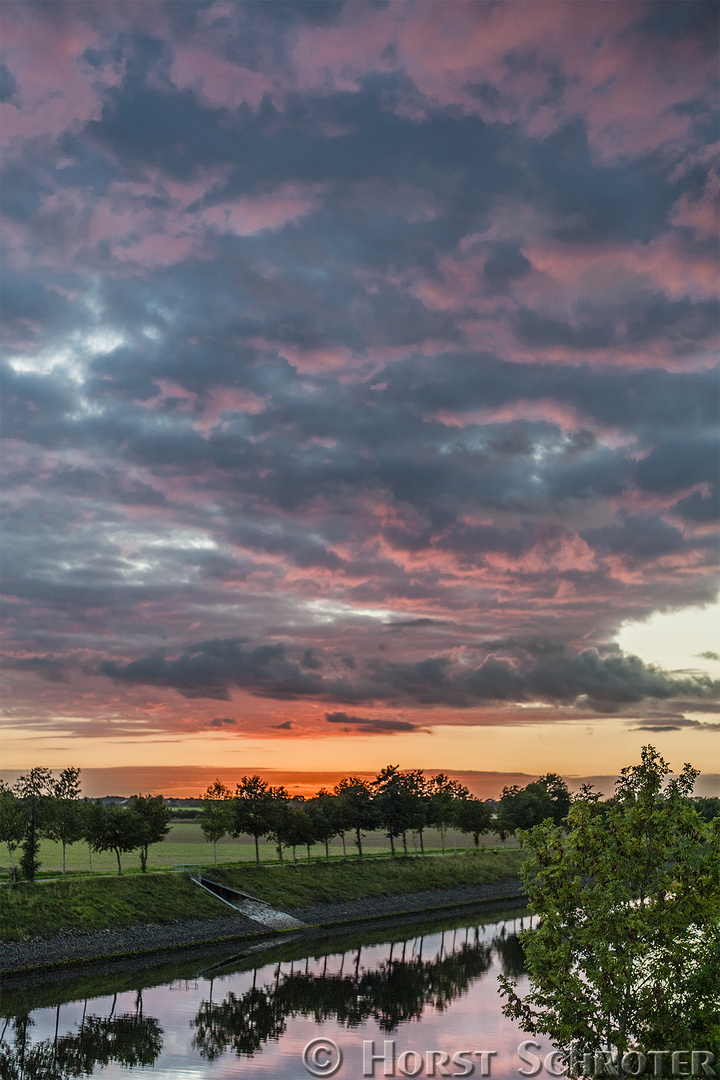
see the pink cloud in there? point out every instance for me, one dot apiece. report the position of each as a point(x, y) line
point(57, 90)
point(623, 86)
point(225, 400)
point(253, 214)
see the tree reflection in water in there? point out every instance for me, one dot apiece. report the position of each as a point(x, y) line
point(396, 991)
point(392, 992)
point(129, 1039)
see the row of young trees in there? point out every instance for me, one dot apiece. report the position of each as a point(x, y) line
point(396, 802)
point(39, 805)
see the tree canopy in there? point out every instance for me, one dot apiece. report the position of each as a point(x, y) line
point(627, 949)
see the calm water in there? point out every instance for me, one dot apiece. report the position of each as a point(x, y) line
point(423, 988)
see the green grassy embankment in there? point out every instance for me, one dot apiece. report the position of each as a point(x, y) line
point(41, 911)
point(322, 883)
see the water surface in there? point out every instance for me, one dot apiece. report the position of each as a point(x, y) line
point(428, 989)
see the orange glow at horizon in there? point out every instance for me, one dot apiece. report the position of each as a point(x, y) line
point(574, 747)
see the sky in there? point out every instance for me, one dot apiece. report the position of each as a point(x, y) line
point(360, 384)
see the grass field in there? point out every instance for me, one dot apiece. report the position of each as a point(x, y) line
point(32, 911)
point(185, 845)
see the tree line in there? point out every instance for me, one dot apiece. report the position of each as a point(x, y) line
point(38, 805)
point(397, 802)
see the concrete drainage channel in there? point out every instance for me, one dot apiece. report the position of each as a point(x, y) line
point(249, 906)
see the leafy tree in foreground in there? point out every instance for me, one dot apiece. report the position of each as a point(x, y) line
point(627, 950)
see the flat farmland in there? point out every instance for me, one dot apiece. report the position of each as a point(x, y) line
point(185, 845)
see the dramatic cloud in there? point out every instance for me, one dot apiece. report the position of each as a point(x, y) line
point(356, 354)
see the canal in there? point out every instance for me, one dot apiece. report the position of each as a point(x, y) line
point(419, 1000)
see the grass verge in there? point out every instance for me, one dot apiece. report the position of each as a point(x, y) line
point(302, 884)
point(41, 911)
point(86, 905)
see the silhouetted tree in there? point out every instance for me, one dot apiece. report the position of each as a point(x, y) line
point(153, 823)
point(35, 791)
point(356, 798)
point(12, 822)
point(252, 806)
point(323, 811)
point(66, 823)
point(444, 796)
point(474, 817)
point(112, 828)
point(216, 816)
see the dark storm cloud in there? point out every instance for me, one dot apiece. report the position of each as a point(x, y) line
point(369, 725)
point(323, 325)
point(210, 668)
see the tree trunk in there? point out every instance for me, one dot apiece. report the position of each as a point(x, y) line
point(279, 851)
point(257, 851)
point(63, 844)
point(422, 848)
point(392, 847)
point(404, 839)
point(215, 851)
point(327, 850)
point(359, 842)
point(344, 851)
point(117, 854)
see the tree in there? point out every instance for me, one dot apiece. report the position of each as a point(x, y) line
point(473, 816)
point(252, 802)
point(216, 814)
point(444, 794)
point(299, 830)
point(66, 823)
point(12, 822)
point(113, 828)
point(356, 799)
point(278, 818)
point(707, 808)
point(34, 789)
point(324, 818)
point(627, 948)
point(559, 795)
point(522, 808)
point(400, 803)
point(153, 823)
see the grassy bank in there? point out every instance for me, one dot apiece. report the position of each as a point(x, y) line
point(323, 883)
point(41, 911)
